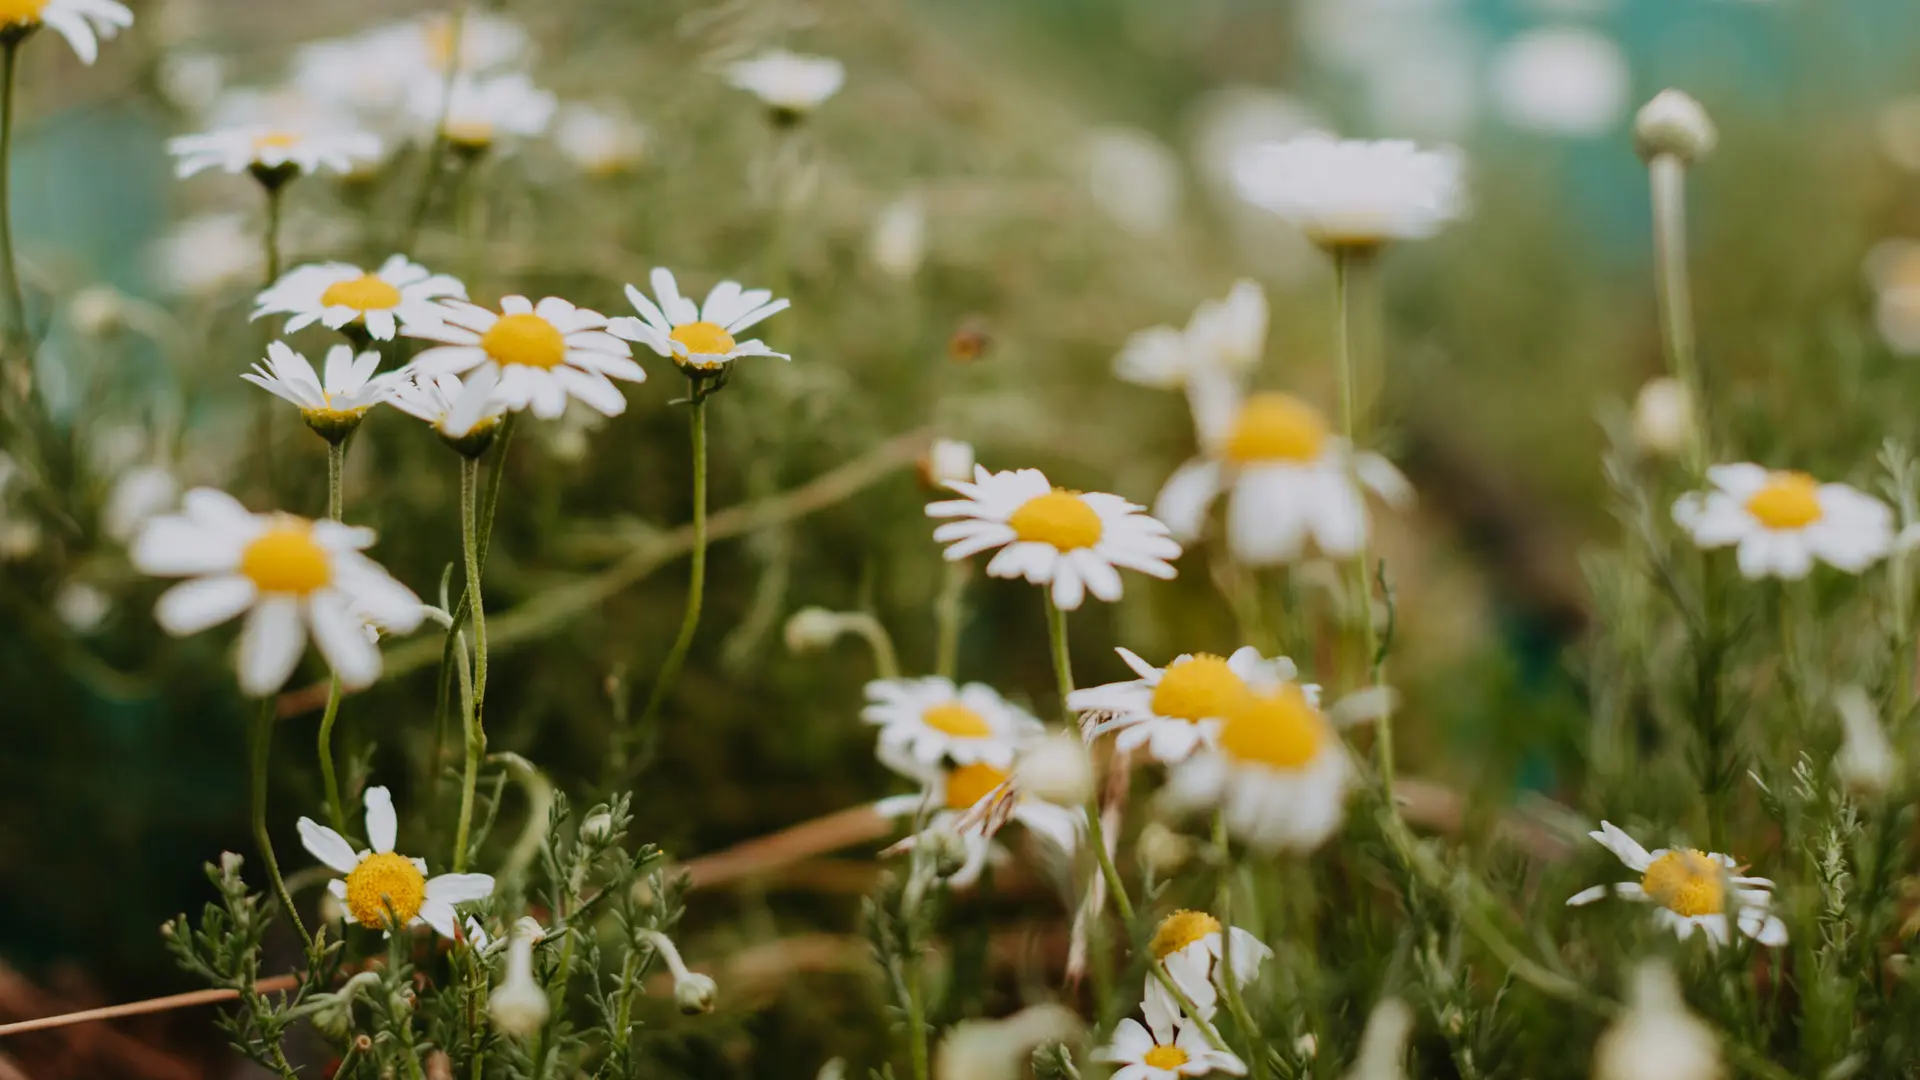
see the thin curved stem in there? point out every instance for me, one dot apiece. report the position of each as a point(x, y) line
point(948, 611)
point(261, 744)
point(336, 807)
point(696, 586)
point(476, 736)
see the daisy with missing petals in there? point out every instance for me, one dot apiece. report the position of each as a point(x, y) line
point(925, 720)
point(1192, 945)
point(343, 296)
point(1070, 540)
point(1354, 193)
point(792, 85)
point(289, 575)
point(464, 414)
point(1277, 770)
point(541, 353)
point(973, 801)
point(334, 405)
point(1290, 482)
point(82, 22)
point(1175, 710)
point(700, 339)
point(273, 155)
point(1167, 1047)
point(1691, 890)
point(382, 888)
point(1783, 521)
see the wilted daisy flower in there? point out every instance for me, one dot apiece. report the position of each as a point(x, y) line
point(1069, 540)
point(925, 720)
point(338, 295)
point(332, 405)
point(1192, 945)
point(955, 797)
point(465, 415)
point(1175, 710)
point(1171, 1048)
point(1290, 481)
point(699, 338)
point(1225, 335)
point(381, 887)
point(82, 22)
point(272, 154)
point(484, 110)
point(792, 85)
point(542, 353)
point(1354, 192)
point(1783, 521)
point(289, 574)
point(601, 141)
point(1277, 770)
point(1691, 890)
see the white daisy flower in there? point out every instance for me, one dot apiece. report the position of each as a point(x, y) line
point(287, 573)
point(1290, 481)
point(1354, 192)
point(1070, 540)
point(338, 295)
point(382, 887)
point(601, 141)
point(1276, 769)
point(956, 801)
point(333, 403)
point(376, 71)
point(1783, 521)
point(1175, 710)
point(1167, 1047)
point(82, 22)
point(923, 721)
point(791, 84)
point(484, 110)
point(465, 414)
point(270, 152)
point(542, 353)
point(1222, 335)
point(700, 338)
point(1192, 945)
point(1691, 889)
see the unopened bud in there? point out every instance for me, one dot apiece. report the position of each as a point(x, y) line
point(597, 828)
point(694, 993)
point(520, 1007)
point(1056, 769)
point(1673, 123)
point(813, 628)
point(948, 461)
point(1663, 416)
point(230, 863)
point(362, 1043)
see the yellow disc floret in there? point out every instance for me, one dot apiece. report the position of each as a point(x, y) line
point(968, 784)
point(286, 559)
point(1181, 929)
point(1791, 500)
point(703, 338)
point(1060, 518)
point(364, 293)
point(1164, 1057)
point(20, 12)
point(1687, 882)
point(1276, 427)
point(272, 140)
point(525, 339)
point(381, 881)
point(957, 720)
point(1198, 688)
point(1281, 729)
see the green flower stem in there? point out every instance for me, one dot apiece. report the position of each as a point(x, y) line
point(275, 207)
point(886, 661)
point(1229, 981)
point(676, 659)
point(1667, 177)
point(437, 148)
point(15, 326)
point(476, 735)
point(947, 615)
point(260, 744)
point(1349, 264)
point(336, 808)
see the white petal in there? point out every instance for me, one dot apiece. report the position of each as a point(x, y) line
point(342, 640)
point(460, 888)
point(328, 846)
point(270, 645)
point(193, 606)
point(383, 825)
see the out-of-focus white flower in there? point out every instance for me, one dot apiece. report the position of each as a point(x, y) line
point(268, 152)
point(341, 294)
point(1056, 769)
point(699, 338)
point(1175, 710)
point(1229, 120)
point(955, 797)
point(1134, 178)
point(1564, 80)
point(98, 311)
point(542, 353)
point(484, 110)
point(948, 461)
point(1893, 269)
point(1657, 1038)
point(1383, 1045)
point(1163, 849)
point(82, 22)
point(1898, 125)
point(1783, 521)
point(519, 1005)
point(191, 80)
point(1866, 763)
point(137, 495)
point(1355, 192)
point(897, 243)
point(1673, 123)
point(791, 84)
point(82, 607)
point(464, 414)
point(1223, 337)
point(202, 255)
point(1003, 1049)
point(383, 889)
point(1690, 890)
point(927, 720)
point(1663, 416)
point(1277, 771)
point(377, 70)
point(600, 141)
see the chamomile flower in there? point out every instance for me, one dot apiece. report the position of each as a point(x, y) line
point(1290, 482)
point(464, 414)
point(333, 404)
point(382, 888)
point(698, 338)
point(484, 110)
point(374, 71)
point(289, 575)
point(82, 22)
point(273, 155)
point(1222, 335)
point(1070, 541)
point(601, 141)
point(1354, 193)
point(1690, 890)
point(341, 295)
point(1175, 710)
point(973, 801)
point(541, 353)
point(1192, 945)
point(1172, 1047)
point(791, 84)
point(925, 720)
point(1782, 521)
point(1276, 769)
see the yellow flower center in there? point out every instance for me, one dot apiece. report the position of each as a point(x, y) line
point(470, 132)
point(272, 140)
point(1687, 882)
point(1197, 688)
point(1059, 518)
point(957, 720)
point(1181, 929)
point(1164, 1057)
point(385, 881)
point(1791, 500)
point(1281, 729)
point(528, 340)
point(286, 559)
point(1276, 427)
point(364, 293)
point(440, 43)
point(703, 337)
point(968, 784)
point(21, 11)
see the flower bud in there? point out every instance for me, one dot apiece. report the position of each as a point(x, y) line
point(947, 461)
point(694, 993)
point(597, 828)
point(1673, 123)
point(519, 1006)
point(813, 628)
point(1663, 416)
point(1056, 769)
